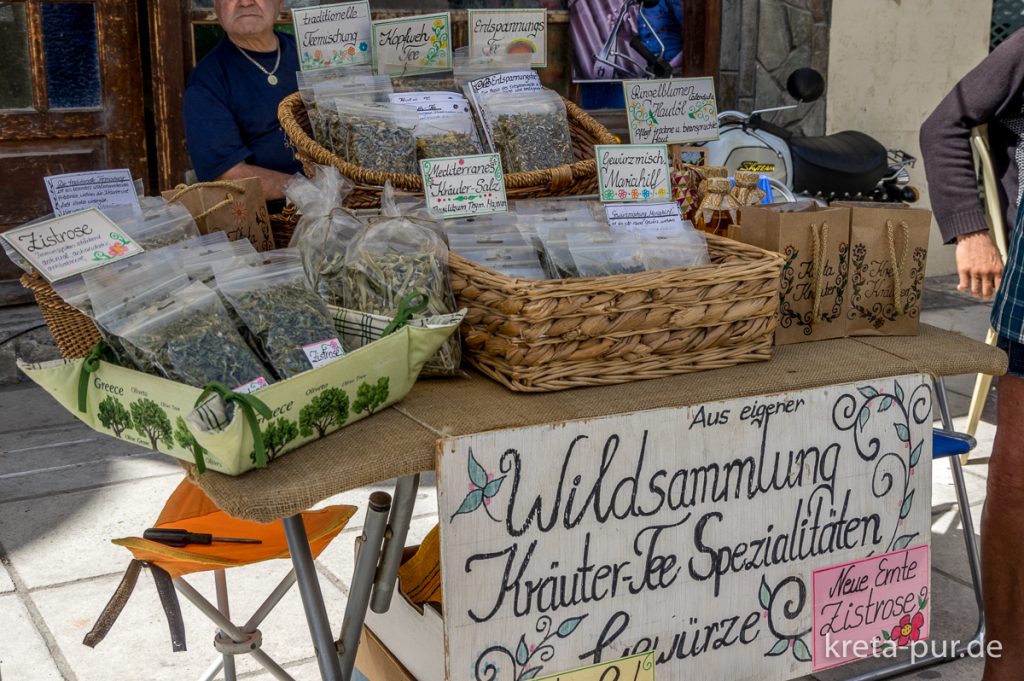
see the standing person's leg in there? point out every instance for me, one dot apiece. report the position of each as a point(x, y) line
point(1002, 527)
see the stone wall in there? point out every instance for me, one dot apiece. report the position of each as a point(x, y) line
point(763, 41)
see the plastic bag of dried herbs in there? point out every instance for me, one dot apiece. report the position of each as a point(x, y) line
point(447, 136)
point(190, 338)
point(200, 264)
point(530, 130)
point(380, 135)
point(324, 230)
point(394, 257)
point(329, 129)
point(287, 323)
point(602, 255)
point(159, 227)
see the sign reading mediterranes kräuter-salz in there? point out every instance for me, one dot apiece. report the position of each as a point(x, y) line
point(333, 35)
point(410, 45)
point(71, 244)
point(671, 111)
point(495, 32)
point(693, 532)
point(633, 172)
point(464, 185)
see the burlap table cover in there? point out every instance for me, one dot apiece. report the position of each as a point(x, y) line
point(403, 439)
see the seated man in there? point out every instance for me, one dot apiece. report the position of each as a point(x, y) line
point(232, 96)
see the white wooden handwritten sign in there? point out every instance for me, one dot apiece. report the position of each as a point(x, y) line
point(496, 32)
point(72, 192)
point(632, 172)
point(692, 532)
point(457, 186)
point(673, 110)
point(418, 44)
point(72, 244)
point(333, 35)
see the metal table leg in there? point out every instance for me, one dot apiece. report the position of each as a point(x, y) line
point(312, 599)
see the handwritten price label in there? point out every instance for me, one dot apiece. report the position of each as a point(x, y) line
point(633, 668)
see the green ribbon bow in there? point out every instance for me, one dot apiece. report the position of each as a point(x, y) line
point(99, 352)
point(411, 305)
point(250, 407)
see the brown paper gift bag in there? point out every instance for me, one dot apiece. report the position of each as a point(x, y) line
point(888, 253)
point(813, 284)
point(236, 208)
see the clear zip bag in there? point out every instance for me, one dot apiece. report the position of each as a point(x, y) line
point(381, 136)
point(449, 136)
point(529, 130)
point(602, 255)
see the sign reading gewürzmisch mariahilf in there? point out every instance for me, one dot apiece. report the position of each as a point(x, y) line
point(693, 532)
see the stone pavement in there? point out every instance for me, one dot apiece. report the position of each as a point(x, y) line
point(65, 491)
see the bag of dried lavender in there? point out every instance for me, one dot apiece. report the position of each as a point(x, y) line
point(447, 136)
point(397, 256)
point(190, 338)
point(324, 230)
point(287, 323)
point(380, 135)
point(530, 130)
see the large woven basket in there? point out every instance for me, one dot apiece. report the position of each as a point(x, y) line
point(74, 333)
point(544, 335)
point(567, 180)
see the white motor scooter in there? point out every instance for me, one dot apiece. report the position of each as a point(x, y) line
point(845, 165)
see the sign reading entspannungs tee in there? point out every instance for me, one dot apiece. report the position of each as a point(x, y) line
point(333, 35)
point(497, 32)
point(690, 532)
point(71, 244)
point(409, 45)
point(670, 111)
point(458, 186)
point(633, 172)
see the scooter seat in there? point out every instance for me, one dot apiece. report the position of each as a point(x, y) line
point(848, 162)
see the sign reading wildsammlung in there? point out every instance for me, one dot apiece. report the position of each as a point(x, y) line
point(690, 532)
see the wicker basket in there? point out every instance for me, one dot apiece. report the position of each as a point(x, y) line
point(567, 180)
point(544, 335)
point(74, 332)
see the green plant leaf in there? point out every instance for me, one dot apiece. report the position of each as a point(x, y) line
point(886, 403)
point(868, 392)
point(885, 634)
point(915, 455)
point(902, 432)
point(530, 673)
point(863, 417)
point(477, 474)
point(780, 647)
point(569, 626)
point(907, 504)
point(903, 542)
point(522, 652)
point(922, 603)
point(471, 502)
point(800, 651)
point(764, 596)
point(491, 488)
point(899, 392)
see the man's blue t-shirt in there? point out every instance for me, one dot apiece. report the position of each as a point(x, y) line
point(231, 110)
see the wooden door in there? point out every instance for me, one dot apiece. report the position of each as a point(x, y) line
point(70, 100)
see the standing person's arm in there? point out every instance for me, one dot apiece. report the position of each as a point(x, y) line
point(273, 181)
point(991, 90)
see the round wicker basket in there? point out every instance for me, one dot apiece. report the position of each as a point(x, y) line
point(567, 180)
point(74, 333)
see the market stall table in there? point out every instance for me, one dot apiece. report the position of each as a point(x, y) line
point(404, 440)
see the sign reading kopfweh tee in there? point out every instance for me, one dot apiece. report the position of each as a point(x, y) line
point(633, 172)
point(72, 244)
point(333, 35)
point(496, 32)
point(409, 45)
point(691, 532)
point(458, 186)
point(670, 111)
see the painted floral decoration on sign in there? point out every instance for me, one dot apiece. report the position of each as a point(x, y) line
point(438, 42)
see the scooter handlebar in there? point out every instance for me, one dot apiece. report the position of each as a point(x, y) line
point(758, 123)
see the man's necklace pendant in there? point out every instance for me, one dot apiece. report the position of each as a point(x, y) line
point(272, 79)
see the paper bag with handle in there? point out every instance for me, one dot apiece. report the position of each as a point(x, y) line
point(813, 283)
point(888, 253)
point(236, 208)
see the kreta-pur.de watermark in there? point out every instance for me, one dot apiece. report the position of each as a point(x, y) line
point(919, 650)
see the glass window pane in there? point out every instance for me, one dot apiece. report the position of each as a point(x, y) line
point(16, 84)
point(71, 55)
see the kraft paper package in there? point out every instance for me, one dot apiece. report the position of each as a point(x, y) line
point(236, 208)
point(888, 254)
point(813, 286)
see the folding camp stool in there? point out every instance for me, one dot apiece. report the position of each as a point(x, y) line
point(950, 445)
point(190, 509)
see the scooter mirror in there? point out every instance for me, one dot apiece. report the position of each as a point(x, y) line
point(805, 85)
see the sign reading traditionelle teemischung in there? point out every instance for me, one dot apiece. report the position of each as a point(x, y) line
point(71, 244)
point(670, 111)
point(495, 32)
point(333, 35)
point(409, 45)
point(458, 186)
point(633, 172)
point(695, 533)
